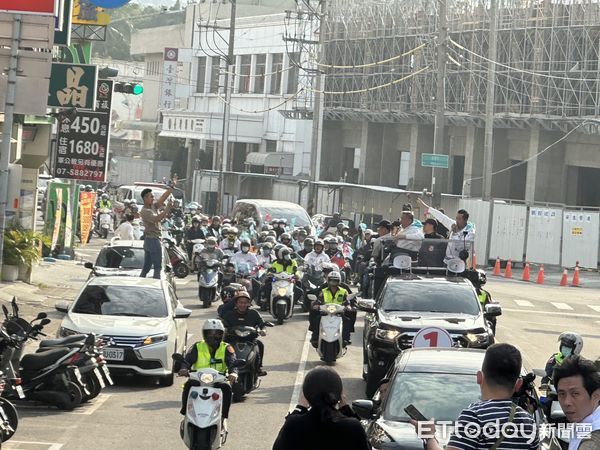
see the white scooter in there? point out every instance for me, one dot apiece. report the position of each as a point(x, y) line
point(202, 429)
point(282, 297)
point(330, 346)
point(105, 222)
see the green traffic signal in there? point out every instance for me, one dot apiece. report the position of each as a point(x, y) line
point(138, 89)
point(129, 88)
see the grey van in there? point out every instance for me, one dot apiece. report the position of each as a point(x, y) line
point(264, 211)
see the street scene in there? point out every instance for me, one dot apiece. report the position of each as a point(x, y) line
point(287, 225)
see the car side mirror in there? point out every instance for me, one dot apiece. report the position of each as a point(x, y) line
point(89, 265)
point(182, 313)
point(366, 306)
point(493, 310)
point(62, 307)
point(363, 409)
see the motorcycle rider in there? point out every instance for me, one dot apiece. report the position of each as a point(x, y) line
point(484, 296)
point(333, 293)
point(279, 227)
point(231, 243)
point(215, 228)
point(331, 246)
point(266, 256)
point(308, 246)
point(210, 251)
point(243, 315)
point(192, 233)
point(317, 257)
point(570, 344)
point(298, 243)
point(245, 256)
point(286, 239)
point(211, 352)
point(283, 263)
point(104, 202)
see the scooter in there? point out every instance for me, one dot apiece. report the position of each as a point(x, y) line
point(330, 346)
point(177, 229)
point(208, 280)
point(282, 297)
point(243, 339)
point(179, 258)
point(311, 285)
point(198, 246)
point(104, 222)
point(9, 418)
point(202, 427)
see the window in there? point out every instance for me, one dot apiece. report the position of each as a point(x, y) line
point(271, 146)
point(201, 80)
point(259, 79)
point(121, 258)
point(276, 70)
point(292, 84)
point(215, 71)
point(245, 67)
point(403, 174)
point(420, 297)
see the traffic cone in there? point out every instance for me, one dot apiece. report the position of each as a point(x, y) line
point(565, 278)
point(526, 275)
point(576, 275)
point(497, 267)
point(540, 277)
point(508, 271)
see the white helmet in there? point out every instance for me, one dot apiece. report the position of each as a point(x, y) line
point(571, 340)
point(213, 324)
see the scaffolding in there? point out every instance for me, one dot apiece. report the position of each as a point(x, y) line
point(547, 67)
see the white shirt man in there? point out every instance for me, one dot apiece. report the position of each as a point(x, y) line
point(125, 230)
point(316, 259)
point(411, 234)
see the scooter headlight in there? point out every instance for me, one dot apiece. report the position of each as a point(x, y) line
point(207, 378)
point(281, 292)
point(331, 309)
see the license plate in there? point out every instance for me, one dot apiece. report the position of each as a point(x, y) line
point(107, 375)
point(100, 379)
point(20, 391)
point(114, 354)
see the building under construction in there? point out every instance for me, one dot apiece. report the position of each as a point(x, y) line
point(380, 61)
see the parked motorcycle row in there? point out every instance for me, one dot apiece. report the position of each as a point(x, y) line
point(64, 373)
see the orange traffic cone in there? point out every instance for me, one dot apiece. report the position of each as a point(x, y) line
point(576, 275)
point(508, 271)
point(540, 277)
point(565, 278)
point(497, 267)
point(474, 261)
point(526, 275)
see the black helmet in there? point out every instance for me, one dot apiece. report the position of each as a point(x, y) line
point(481, 276)
point(308, 244)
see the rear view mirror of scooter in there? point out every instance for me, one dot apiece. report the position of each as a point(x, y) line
point(45, 322)
point(40, 316)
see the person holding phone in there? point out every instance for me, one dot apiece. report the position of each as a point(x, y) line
point(481, 425)
point(322, 420)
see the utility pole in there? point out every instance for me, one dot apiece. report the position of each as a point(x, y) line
point(490, 100)
point(9, 110)
point(440, 95)
point(317, 123)
point(223, 156)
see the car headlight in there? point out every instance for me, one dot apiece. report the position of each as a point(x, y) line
point(477, 337)
point(386, 335)
point(207, 378)
point(281, 292)
point(155, 339)
point(64, 332)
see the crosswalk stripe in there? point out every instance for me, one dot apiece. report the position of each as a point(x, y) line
point(595, 307)
point(524, 303)
point(561, 305)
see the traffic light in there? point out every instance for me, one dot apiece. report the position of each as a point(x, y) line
point(129, 88)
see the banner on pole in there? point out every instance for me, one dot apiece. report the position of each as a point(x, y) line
point(57, 218)
point(68, 222)
point(87, 200)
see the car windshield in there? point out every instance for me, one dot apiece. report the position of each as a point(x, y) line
point(134, 301)
point(429, 297)
point(437, 395)
point(294, 217)
point(121, 258)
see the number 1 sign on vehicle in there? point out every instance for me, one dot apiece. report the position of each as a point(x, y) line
point(432, 337)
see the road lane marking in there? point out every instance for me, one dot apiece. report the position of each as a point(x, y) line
point(524, 303)
point(561, 306)
point(595, 307)
point(552, 313)
point(93, 406)
point(51, 445)
point(300, 372)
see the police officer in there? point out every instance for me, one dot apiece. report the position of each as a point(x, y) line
point(283, 263)
point(333, 293)
point(211, 352)
point(570, 344)
point(104, 202)
point(484, 296)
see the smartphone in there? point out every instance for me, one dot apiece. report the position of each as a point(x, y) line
point(415, 414)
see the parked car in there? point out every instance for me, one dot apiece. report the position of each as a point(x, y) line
point(440, 383)
point(408, 303)
point(141, 320)
point(126, 258)
point(264, 211)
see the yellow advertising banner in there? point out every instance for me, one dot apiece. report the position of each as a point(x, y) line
point(84, 13)
point(87, 200)
point(57, 218)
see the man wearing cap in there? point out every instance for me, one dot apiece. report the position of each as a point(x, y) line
point(152, 232)
point(431, 253)
point(384, 231)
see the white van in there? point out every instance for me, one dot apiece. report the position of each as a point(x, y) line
point(264, 211)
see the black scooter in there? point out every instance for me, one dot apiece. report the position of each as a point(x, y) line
point(179, 258)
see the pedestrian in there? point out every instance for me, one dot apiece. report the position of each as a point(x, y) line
point(577, 382)
point(152, 232)
point(125, 230)
point(482, 425)
point(322, 420)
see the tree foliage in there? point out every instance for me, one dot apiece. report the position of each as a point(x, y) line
point(127, 20)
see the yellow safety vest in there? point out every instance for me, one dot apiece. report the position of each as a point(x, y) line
point(328, 296)
point(291, 269)
point(206, 361)
point(559, 358)
point(483, 297)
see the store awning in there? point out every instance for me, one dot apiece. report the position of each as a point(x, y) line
point(138, 125)
point(272, 159)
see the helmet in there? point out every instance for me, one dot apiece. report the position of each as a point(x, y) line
point(330, 240)
point(196, 219)
point(282, 221)
point(104, 196)
point(213, 331)
point(482, 277)
point(308, 243)
point(329, 267)
point(369, 232)
point(242, 294)
point(88, 188)
point(266, 227)
point(334, 276)
point(211, 241)
point(572, 341)
point(245, 243)
point(216, 218)
point(285, 237)
point(81, 187)
point(267, 245)
point(271, 239)
point(302, 232)
point(283, 252)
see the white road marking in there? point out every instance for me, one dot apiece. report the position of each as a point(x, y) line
point(595, 307)
point(93, 405)
point(524, 303)
point(300, 372)
point(561, 306)
point(51, 445)
point(552, 313)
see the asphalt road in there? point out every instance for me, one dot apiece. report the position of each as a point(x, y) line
point(137, 414)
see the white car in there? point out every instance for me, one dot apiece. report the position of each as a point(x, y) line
point(141, 320)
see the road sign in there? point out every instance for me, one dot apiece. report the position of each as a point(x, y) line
point(46, 7)
point(434, 160)
point(62, 35)
point(432, 337)
point(73, 85)
point(82, 142)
